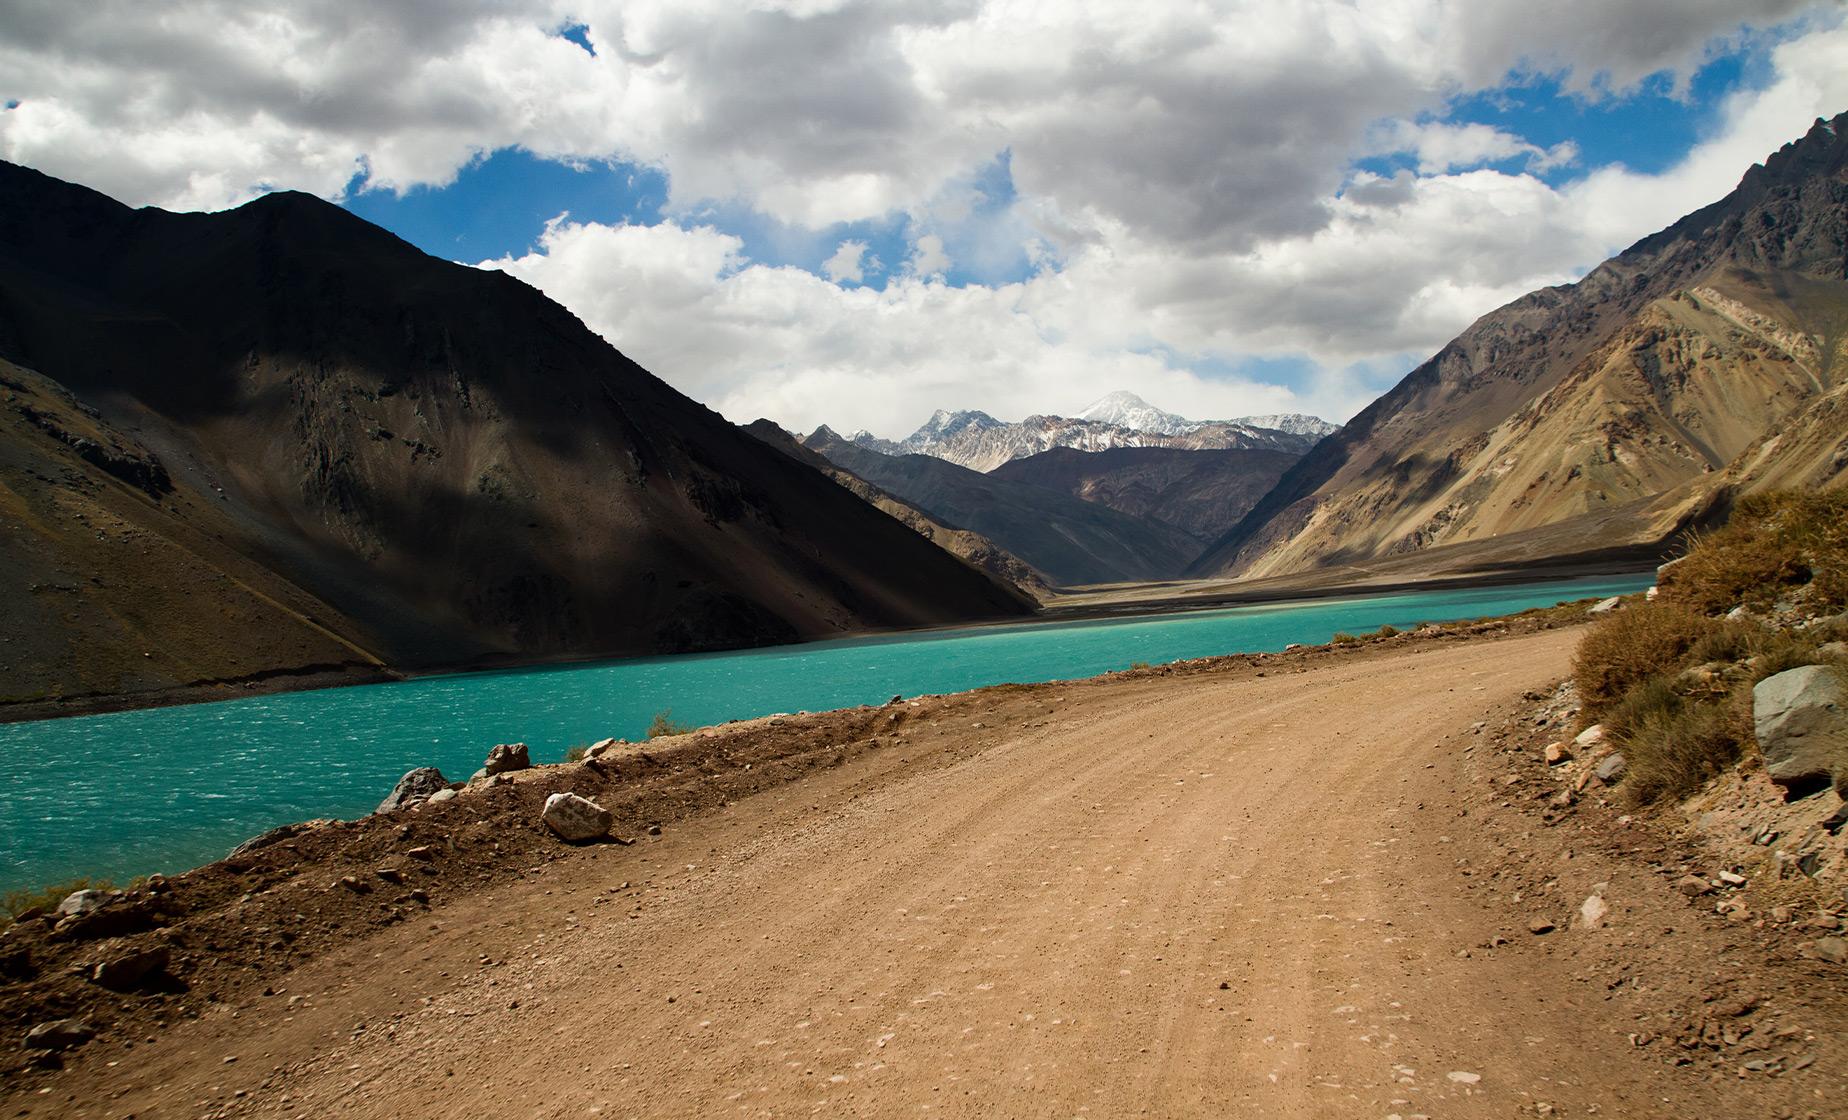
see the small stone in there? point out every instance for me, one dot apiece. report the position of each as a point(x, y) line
point(576, 819)
point(1831, 949)
point(1590, 737)
point(421, 895)
point(1564, 799)
point(1611, 769)
point(1732, 878)
point(1593, 912)
point(1539, 926)
point(1556, 753)
point(389, 874)
point(443, 796)
point(600, 747)
point(1463, 1078)
point(416, 785)
point(82, 902)
point(1693, 886)
point(422, 851)
point(127, 971)
point(59, 1034)
point(507, 757)
point(1606, 606)
point(654, 830)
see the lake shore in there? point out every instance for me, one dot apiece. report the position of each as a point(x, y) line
point(1115, 877)
point(1075, 605)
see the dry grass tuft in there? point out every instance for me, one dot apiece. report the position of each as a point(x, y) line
point(1781, 552)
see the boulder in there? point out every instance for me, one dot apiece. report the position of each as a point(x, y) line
point(417, 785)
point(442, 795)
point(576, 819)
point(1801, 720)
point(127, 971)
point(599, 748)
point(1556, 753)
point(506, 757)
point(82, 902)
point(1610, 771)
point(59, 1034)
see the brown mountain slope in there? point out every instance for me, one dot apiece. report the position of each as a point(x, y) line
point(1203, 493)
point(1071, 540)
point(450, 465)
point(972, 548)
point(1635, 389)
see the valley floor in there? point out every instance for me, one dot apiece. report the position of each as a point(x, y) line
point(1282, 888)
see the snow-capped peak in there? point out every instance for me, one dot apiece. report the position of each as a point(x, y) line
point(1123, 409)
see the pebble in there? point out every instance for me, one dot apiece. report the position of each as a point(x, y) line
point(1539, 926)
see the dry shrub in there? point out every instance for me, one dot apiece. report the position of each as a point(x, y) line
point(1773, 543)
point(1634, 644)
point(1674, 744)
point(664, 725)
point(47, 897)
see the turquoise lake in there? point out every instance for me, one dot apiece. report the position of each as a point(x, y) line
point(166, 789)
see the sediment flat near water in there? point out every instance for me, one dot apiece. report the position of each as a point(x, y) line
point(1292, 887)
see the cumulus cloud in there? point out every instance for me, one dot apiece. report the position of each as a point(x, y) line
point(1441, 147)
point(849, 263)
point(1181, 193)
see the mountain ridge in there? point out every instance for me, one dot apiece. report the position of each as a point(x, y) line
point(974, 439)
point(442, 465)
point(1423, 466)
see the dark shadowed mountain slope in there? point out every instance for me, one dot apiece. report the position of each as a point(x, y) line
point(1071, 540)
point(1202, 493)
point(972, 548)
point(432, 463)
point(1608, 412)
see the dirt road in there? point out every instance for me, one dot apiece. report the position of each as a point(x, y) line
point(1196, 897)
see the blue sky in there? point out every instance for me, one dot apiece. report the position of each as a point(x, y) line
point(499, 204)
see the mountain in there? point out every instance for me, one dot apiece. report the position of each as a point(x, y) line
point(1202, 493)
point(1123, 409)
point(980, 442)
point(1072, 541)
point(972, 548)
point(277, 440)
point(1703, 361)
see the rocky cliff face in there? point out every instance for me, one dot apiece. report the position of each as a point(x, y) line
point(421, 462)
point(1704, 359)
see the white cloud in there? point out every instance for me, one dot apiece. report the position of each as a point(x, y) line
point(928, 257)
point(1441, 147)
point(848, 264)
point(1183, 172)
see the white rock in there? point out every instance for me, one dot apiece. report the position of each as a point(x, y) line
point(82, 902)
point(442, 795)
point(1651, 594)
point(1606, 606)
point(601, 746)
point(1462, 1078)
point(1590, 737)
point(1593, 912)
point(576, 819)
